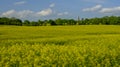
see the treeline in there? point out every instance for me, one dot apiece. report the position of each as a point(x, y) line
point(107, 20)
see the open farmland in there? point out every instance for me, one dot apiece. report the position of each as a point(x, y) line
point(60, 46)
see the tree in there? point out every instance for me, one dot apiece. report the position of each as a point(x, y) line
point(33, 23)
point(26, 23)
point(4, 21)
point(106, 20)
point(59, 21)
point(40, 23)
point(71, 22)
point(52, 22)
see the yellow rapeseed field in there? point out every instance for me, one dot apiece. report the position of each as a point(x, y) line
point(60, 46)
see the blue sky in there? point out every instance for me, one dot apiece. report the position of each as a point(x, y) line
point(52, 9)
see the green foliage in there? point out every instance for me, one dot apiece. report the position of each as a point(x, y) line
point(40, 23)
point(10, 21)
point(33, 23)
point(26, 23)
point(51, 22)
point(107, 20)
point(60, 46)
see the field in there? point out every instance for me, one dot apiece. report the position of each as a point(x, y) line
point(60, 46)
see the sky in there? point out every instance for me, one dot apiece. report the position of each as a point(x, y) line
point(53, 9)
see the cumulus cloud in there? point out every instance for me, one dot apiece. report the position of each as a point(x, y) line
point(45, 12)
point(92, 9)
point(18, 14)
point(52, 5)
point(20, 3)
point(64, 13)
point(26, 13)
point(96, 1)
point(9, 13)
point(110, 10)
point(100, 9)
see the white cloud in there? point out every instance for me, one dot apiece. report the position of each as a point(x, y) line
point(52, 5)
point(92, 9)
point(17, 14)
point(110, 10)
point(20, 3)
point(96, 1)
point(24, 14)
point(64, 13)
point(9, 13)
point(45, 12)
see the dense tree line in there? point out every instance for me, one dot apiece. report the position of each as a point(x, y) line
point(10, 21)
point(107, 20)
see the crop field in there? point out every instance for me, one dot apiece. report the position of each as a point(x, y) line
point(60, 46)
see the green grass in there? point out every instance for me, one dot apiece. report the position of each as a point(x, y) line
point(60, 46)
